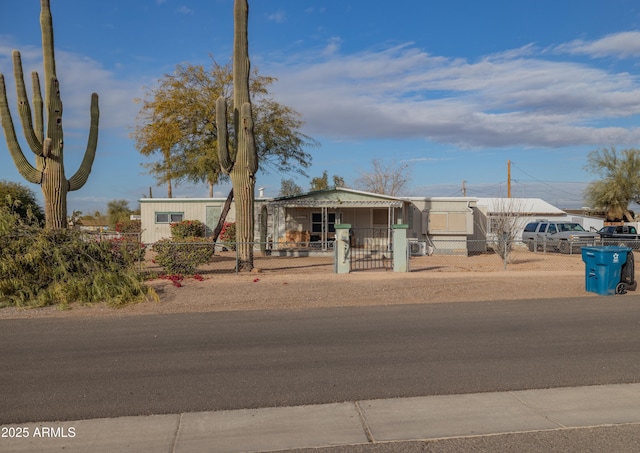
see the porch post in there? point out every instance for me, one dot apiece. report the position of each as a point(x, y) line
point(400, 249)
point(323, 227)
point(342, 249)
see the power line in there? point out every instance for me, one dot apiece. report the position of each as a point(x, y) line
point(545, 183)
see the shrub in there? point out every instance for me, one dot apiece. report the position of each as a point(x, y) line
point(21, 200)
point(187, 229)
point(228, 235)
point(129, 226)
point(40, 267)
point(127, 249)
point(183, 257)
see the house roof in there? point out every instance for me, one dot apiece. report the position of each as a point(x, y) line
point(92, 223)
point(339, 197)
point(525, 206)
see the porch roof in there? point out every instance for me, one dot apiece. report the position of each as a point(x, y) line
point(301, 203)
point(338, 198)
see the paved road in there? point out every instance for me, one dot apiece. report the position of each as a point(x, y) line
point(70, 369)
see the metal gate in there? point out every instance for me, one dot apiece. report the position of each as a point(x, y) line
point(370, 248)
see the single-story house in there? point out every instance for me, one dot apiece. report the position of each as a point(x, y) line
point(444, 225)
point(157, 214)
point(92, 225)
point(309, 219)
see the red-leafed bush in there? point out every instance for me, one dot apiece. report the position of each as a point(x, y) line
point(188, 229)
point(228, 235)
point(129, 226)
point(184, 256)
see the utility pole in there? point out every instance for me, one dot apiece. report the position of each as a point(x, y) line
point(508, 179)
point(464, 188)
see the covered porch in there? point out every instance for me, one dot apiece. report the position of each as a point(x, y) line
point(308, 221)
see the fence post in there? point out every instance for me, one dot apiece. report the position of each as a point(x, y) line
point(342, 263)
point(400, 255)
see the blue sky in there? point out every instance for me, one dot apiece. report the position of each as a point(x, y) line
point(452, 88)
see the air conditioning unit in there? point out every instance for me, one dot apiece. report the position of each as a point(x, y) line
point(417, 248)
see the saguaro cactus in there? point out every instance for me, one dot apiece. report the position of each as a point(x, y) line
point(49, 168)
point(242, 165)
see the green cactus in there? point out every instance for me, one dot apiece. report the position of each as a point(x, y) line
point(243, 165)
point(49, 169)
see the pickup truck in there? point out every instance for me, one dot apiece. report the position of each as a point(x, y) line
point(620, 235)
point(566, 237)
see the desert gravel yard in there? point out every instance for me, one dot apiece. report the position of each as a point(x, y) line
point(299, 283)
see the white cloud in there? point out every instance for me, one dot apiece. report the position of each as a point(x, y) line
point(185, 10)
point(619, 45)
point(79, 77)
point(515, 98)
point(278, 17)
point(333, 46)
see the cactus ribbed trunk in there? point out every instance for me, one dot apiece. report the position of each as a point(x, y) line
point(242, 167)
point(47, 148)
point(54, 189)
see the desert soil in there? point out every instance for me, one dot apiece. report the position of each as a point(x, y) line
point(433, 279)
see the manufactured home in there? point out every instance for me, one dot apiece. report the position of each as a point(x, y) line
point(441, 225)
point(309, 220)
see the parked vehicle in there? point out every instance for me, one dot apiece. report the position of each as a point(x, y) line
point(620, 235)
point(619, 232)
point(565, 237)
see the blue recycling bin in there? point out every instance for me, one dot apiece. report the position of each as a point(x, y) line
point(603, 268)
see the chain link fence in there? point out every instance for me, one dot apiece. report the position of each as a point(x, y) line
point(444, 256)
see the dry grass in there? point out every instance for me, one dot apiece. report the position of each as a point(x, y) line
point(307, 283)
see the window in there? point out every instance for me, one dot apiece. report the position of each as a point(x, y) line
point(169, 217)
point(316, 222)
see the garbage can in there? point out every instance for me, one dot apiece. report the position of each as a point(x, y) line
point(603, 269)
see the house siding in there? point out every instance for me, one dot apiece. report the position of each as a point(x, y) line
point(191, 209)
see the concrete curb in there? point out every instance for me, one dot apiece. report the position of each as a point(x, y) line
point(349, 423)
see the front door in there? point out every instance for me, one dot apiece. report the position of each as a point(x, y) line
point(212, 215)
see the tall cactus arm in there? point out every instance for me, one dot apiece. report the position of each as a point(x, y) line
point(46, 25)
point(80, 177)
point(247, 129)
point(27, 170)
point(38, 109)
point(224, 156)
point(23, 106)
point(38, 106)
point(241, 63)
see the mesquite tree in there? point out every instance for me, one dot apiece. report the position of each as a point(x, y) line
point(49, 169)
point(242, 166)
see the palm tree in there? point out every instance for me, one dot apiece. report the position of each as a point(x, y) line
point(619, 184)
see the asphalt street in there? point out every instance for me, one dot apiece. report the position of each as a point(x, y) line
point(86, 368)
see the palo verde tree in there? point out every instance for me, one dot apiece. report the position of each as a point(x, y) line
point(177, 123)
point(619, 184)
point(242, 164)
point(289, 188)
point(322, 182)
point(47, 146)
